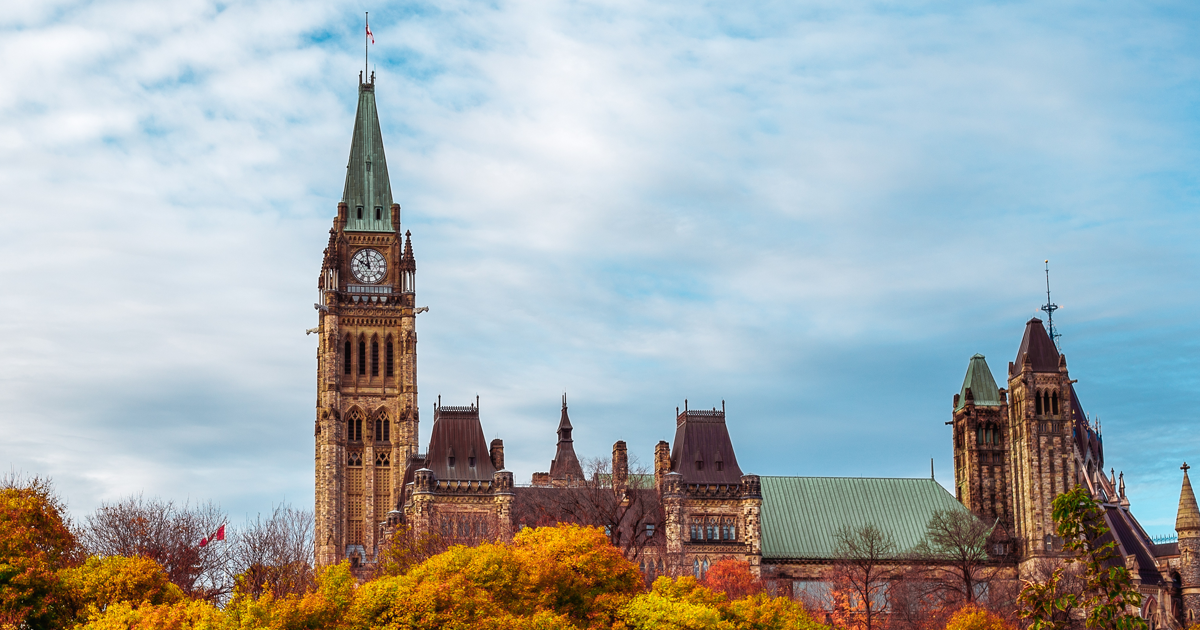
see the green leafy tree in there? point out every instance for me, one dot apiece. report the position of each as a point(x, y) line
point(1108, 594)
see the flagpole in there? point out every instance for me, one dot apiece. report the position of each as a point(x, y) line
point(366, 62)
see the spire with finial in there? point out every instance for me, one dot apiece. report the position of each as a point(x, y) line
point(1049, 307)
point(1188, 517)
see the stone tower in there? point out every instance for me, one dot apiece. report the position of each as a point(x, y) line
point(982, 462)
point(1048, 437)
point(1187, 525)
point(366, 426)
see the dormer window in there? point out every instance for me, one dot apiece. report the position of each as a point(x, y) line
point(720, 465)
point(358, 210)
point(699, 464)
point(450, 461)
point(471, 461)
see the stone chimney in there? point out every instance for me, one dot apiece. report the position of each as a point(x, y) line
point(662, 462)
point(620, 468)
point(497, 453)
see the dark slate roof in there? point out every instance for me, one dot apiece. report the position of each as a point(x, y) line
point(1132, 541)
point(979, 380)
point(367, 183)
point(1086, 438)
point(801, 515)
point(457, 433)
point(1166, 549)
point(701, 436)
point(1036, 345)
point(565, 464)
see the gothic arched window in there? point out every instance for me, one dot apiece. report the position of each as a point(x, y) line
point(362, 356)
point(388, 368)
point(1054, 403)
point(354, 425)
point(1038, 398)
point(374, 357)
point(346, 363)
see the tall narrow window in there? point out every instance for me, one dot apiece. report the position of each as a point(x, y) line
point(359, 210)
point(378, 213)
point(374, 357)
point(1054, 403)
point(362, 357)
point(388, 368)
point(346, 358)
point(378, 428)
point(387, 430)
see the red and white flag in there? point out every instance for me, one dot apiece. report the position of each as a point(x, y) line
point(217, 535)
point(370, 34)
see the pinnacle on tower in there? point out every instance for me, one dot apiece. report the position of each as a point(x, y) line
point(1188, 517)
point(565, 464)
point(368, 192)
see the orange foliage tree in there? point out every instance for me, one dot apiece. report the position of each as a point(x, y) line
point(733, 578)
point(35, 542)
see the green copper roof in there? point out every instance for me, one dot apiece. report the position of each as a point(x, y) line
point(801, 515)
point(983, 386)
point(368, 190)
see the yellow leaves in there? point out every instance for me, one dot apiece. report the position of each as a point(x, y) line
point(974, 618)
point(102, 582)
point(683, 604)
point(182, 615)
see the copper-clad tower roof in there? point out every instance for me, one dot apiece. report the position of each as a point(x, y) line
point(368, 191)
point(1188, 518)
point(703, 452)
point(981, 384)
point(565, 464)
point(457, 448)
point(1037, 347)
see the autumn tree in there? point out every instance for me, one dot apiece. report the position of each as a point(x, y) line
point(35, 543)
point(1108, 598)
point(863, 563)
point(99, 583)
point(274, 554)
point(733, 578)
point(407, 547)
point(167, 533)
point(955, 545)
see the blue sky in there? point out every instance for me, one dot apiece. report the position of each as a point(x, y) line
point(815, 212)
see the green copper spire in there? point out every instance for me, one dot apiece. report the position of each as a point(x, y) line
point(368, 193)
point(983, 387)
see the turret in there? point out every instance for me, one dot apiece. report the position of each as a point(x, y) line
point(1187, 525)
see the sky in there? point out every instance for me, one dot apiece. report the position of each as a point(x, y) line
point(814, 213)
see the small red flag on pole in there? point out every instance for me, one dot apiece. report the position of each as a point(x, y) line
point(217, 535)
point(370, 34)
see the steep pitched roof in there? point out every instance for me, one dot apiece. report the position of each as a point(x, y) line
point(979, 380)
point(703, 452)
point(367, 184)
point(1188, 516)
point(802, 515)
point(565, 464)
point(458, 438)
point(1036, 345)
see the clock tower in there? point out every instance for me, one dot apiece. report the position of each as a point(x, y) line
point(366, 425)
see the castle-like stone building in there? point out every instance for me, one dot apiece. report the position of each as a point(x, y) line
point(1015, 449)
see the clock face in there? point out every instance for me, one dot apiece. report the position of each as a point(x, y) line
point(368, 266)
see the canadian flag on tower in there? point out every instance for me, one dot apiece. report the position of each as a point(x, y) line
point(369, 33)
point(217, 535)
